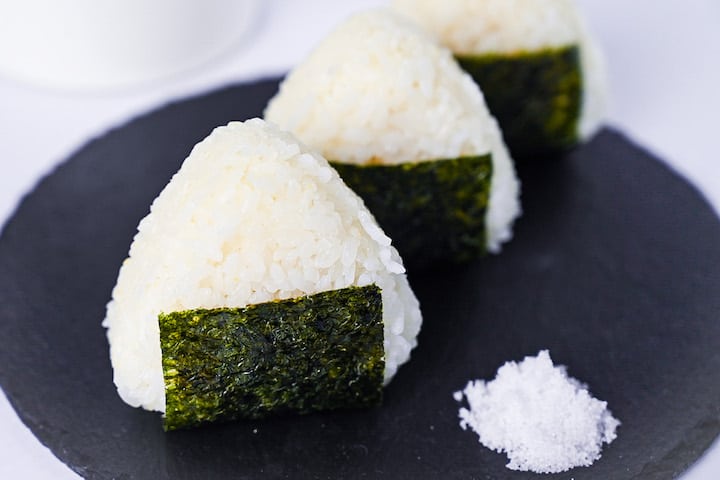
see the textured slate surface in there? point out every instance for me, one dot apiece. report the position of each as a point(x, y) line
point(615, 268)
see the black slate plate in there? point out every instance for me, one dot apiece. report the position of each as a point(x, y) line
point(615, 268)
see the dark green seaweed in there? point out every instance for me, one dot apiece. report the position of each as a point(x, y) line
point(434, 211)
point(319, 352)
point(535, 97)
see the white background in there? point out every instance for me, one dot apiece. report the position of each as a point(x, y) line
point(664, 63)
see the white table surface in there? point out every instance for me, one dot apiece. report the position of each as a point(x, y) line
point(664, 63)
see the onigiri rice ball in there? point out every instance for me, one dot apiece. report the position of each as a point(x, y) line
point(542, 72)
point(251, 218)
point(409, 131)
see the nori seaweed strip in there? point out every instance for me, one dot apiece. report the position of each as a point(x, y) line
point(318, 352)
point(535, 96)
point(434, 211)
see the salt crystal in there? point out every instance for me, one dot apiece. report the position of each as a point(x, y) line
point(545, 421)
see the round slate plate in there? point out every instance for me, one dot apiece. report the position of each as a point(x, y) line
point(615, 268)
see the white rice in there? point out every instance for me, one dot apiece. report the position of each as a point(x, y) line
point(379, 89)
point(476, 27)
point(251, 216)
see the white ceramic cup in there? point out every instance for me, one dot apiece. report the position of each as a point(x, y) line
point(99, 44)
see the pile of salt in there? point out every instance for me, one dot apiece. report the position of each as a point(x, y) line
point(544, 420)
